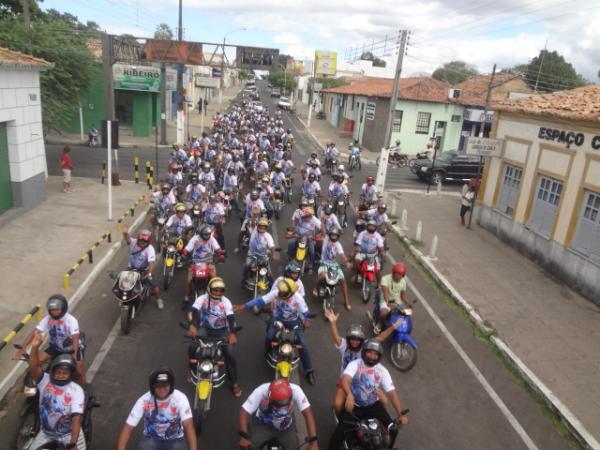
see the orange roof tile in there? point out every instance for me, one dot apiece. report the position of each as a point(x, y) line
point(582, 103)
point(474, 90)
point(12, 58)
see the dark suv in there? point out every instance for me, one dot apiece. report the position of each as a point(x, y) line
point(449, 165)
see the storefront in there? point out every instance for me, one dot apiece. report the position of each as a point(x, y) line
point(543, 194)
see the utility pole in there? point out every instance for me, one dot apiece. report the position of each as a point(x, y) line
point(25, 4)
point(222, 84)
point(385, 150)
point(107, 61)
point(537, 80)
point(163, 104)
point(180, 68)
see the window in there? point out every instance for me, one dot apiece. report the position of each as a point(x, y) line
point(545, 205)
point(423, 120)
point(396, 121)
point(509, 190)
point(587, 234)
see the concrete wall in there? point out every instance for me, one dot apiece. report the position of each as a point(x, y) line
point(20, 108)
point(374, 133)
point(92, 107)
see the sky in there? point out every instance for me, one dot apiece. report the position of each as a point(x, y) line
point(481, 32)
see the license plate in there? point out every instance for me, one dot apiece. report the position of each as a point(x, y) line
point(371, 267)
point(200, 273)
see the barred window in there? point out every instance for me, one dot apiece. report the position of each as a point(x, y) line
point(396, 121)
point(423, 121)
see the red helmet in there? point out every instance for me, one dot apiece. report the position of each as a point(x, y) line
point(144, 236)
point(280, 392)
point(370, 179)
point(399, 269)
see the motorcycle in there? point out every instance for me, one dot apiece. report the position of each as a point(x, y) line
point(227, 202)
point(93, 140)
point(338, 205)
point(288, 188)
point(196, 216)
point(162, 215)
point(301, 249)
point(200, 278)
point(354, 162)
point(370, 434)
point(131, 293)
point(327, 288)
point(367, 275)
point(260, 280)
point(418, 156)
point(277, 201)
point(396, 160)
point(274, 444)
point(283, 356)
point(173, 245)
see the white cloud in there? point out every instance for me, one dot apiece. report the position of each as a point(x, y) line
point(286, 39)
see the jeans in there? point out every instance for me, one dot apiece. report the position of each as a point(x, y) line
point(147, 443)
point(226, 349)
point(262, 433)
point(311, 250)
point(42, 438)
point(303, 352)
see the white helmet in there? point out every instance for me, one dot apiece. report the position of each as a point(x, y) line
point(340, 168)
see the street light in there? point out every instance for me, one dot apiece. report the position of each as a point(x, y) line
point(223, 63)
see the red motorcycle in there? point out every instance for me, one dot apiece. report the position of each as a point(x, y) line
point(200, 278)
point(368, 272)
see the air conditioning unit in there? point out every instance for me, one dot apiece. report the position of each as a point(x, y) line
point(454, 93)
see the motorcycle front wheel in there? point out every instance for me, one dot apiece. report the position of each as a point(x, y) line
point(168, 274)
point(367, 289)
point(200, 415)
point(403, 356)
point(27, 431)
point(125, 320)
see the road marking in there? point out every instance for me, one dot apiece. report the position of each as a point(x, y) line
point(101, 355)
point(471, 365)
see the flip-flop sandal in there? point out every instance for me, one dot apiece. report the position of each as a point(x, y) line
point(348, 307)
point(237, 390)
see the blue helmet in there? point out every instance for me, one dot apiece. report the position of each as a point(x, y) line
point(292, 268)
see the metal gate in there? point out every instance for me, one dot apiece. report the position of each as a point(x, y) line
point(5, 185)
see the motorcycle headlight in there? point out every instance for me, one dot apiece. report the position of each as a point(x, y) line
point(286, 348)
point(171, 248)
point(263, 272)
point(161, 220)
point(206, 366)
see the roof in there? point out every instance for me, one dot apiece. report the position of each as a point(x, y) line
point(10, 58)
point(474, 90)
point(582, 103)
point(412, 88)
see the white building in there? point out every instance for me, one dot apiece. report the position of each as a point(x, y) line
point(363, 68)
point(23, 169)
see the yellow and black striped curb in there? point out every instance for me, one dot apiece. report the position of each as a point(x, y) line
point(89, 255)
point(10, 336)
point(129, 212)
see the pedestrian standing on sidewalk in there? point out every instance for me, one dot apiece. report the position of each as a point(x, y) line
point(66, 164)
point(200, 103)
point(467, 197)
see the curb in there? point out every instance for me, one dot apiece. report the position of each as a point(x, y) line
point(567, 417)
point(8, 383)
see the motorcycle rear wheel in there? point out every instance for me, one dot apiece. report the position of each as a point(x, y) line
point(366, 291)
point(403, 356)
point(125, 321)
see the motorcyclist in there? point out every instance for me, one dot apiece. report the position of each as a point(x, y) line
point(179, 223)
point(342, 171)
point(369, 194)
point(287, 165)
point(194, 191)
point(254, 208)
point(212, 317)
point(329, 220)
point(290, 309)
point(380, 217)
point(168, 421)
point(214, 214)
point(277, 176)
point(266, 193)
point(287, 137)
point(331, 153)
point(143, 260)
point(268, 412)
point(361, 381)
point(331, 250)
point(163, 200)
point(337, 188)
point(309, 227)
point(393, 291)
point(93, 135)
point(353, 150)
point(367, 242)
point(62, 401)
point(313, 168)
point(207, 177)
point(231, 183)
point(293, 271)
point(313, 158)
point(202, 247)
point(261, 244)
point(63, 329)
point(311, 186)
point(175, 176)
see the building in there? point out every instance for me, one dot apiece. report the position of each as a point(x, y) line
point(363, 68)
point(23, 169)
point(423, 111)
point(543, 194)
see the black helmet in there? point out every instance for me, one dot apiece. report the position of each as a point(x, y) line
point(165, 188)
point(212, 198)
point(375, 346)
point(355, 331)
point(162, 375)
point(206, 232)
point(194, 178)
point(64, 360)
point(327, 210)
point(57, 301)
point(312, 177)
point(313, 155)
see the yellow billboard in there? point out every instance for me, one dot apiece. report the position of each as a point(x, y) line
point(325, 63)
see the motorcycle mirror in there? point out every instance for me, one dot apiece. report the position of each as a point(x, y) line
point(394, 222)
point(112, 275)
point(18, 346)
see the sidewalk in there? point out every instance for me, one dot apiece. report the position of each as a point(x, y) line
point(127, 140)
point(37, 248)
point(553, 330)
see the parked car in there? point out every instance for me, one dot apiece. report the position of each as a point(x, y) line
point(275, 93)
point(449, 165)
point(284, 103)
point(258, 107)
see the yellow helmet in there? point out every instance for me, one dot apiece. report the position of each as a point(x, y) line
point(263, 222)
point(216, 287)
point(286, 288)
point(179, 207)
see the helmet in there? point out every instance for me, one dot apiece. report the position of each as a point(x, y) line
point(327, 210)
point(286, 288)
point(206, 167)
point(64, 361)
point(265, 179)
point(57, 301)
point(254, 194)
point(277, 167)
point(144, 236)
point(355, 331)
point(160, 376)
point(206, 232)
point(382, 206)
point(313, 155)
point(288, 131)
point(399, 268)
point(291, 269)
point(179, 207)
point(370, 180)
point(304, 202)
point(280, 393)
point(372, 345)
point(340, 168)
point(371, 226)
point(236, 158)
point(194, 178)
point(216, 287)
point(263, 222)
point(307, 212)
point(336, 232)
point(212, 198)
point(165, 188)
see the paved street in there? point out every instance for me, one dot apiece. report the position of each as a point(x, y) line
point(459, 393)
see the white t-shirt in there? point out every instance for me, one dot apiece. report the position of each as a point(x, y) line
point(57, 406)
point(369, 242)
point(214, 316)
point(330, 251)
point(61, 331)
point(287, 310)
point(140, 259)
point(308, 228)
point(213, 213)
point(202, 250)
point(179, 225)
point(280, 418)
point(347, 355)
point(260, 243)
point(366, 380)
point(164, 201)
point(167, 423)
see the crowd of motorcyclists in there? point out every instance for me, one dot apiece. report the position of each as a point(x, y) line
point(244, 169)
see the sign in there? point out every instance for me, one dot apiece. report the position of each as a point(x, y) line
point(326, 63)
point(171, 84)
point(206, 82)
point(136, 78)
point(216, 73)
point(484, 146)
point(173, 52)
point(370, 113)
point(317, 87)
point(256, 58)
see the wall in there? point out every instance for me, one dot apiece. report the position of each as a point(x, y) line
point(374, 133)
point(20, 109)
point(578, 167)
point(93, 107)
point(142, 113)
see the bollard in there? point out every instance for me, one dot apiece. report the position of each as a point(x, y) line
point(148, 174)
point(151, 175)
point(136, 170)
point(434, 246)
point(394, 208)
point(419, 234)
point(404, 220)
point(66, 283)
point(90, 256)
point(438, 188)
point(103, 171)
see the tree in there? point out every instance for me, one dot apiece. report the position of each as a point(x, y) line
point(329, 82)
point(280, 79)
point(14, 8)
point(163, 31)
point(243, 74)
point(551, 72)
point(454, 72)
point(377, 62)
